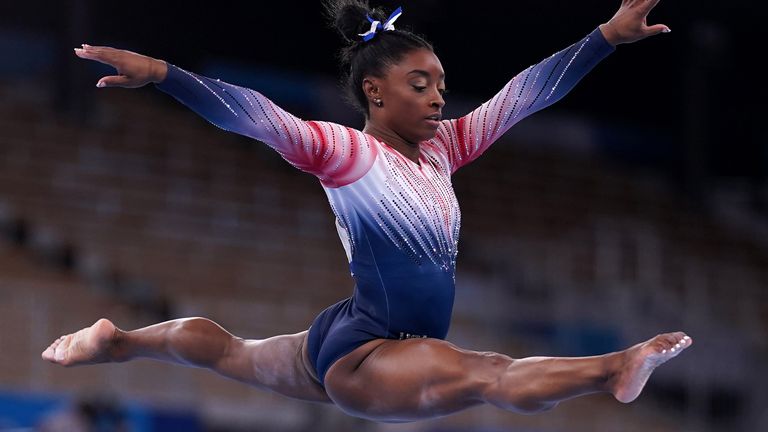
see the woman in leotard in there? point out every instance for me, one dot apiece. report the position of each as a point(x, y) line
point(381, 353)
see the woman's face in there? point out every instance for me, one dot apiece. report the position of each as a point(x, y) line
point(412, 96)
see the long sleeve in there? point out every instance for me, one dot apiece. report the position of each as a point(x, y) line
point(540, 85)
point(336, 154)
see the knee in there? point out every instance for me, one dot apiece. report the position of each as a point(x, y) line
point(353, 401)
point(348, 392)
point(490, 368)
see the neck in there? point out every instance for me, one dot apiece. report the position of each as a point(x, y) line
point(407, 148)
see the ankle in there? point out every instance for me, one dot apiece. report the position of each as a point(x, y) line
point(613, 366)
point(117, 349)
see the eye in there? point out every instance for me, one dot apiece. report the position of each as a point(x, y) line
point(419, 88)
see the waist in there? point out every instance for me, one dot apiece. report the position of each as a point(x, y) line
point(408, 303)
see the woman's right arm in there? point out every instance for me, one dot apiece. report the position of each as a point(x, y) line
point(247, 112)
point(336, 154)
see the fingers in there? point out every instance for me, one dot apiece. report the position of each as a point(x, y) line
point(115, 81)
point(646, 6)
point(133, 70)
point(104, 55)
point(650, 4)
point(107, 56)
point(642, 7)
point(656, 29)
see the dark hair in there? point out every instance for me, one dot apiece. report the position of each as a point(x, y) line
point(372, 58)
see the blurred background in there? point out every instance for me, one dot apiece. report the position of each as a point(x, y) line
point(634, 206)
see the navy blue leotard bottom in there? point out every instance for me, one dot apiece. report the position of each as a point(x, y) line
point(324, 350)
point(421, 310)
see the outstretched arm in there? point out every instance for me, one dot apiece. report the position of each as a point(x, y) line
point(543, 84)
point(334, 153)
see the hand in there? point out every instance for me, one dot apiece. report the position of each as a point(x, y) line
point(135, 70)
point(629, 24)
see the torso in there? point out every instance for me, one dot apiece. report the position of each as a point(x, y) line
point(399, 223)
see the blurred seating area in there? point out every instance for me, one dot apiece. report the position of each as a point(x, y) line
point(143, 212)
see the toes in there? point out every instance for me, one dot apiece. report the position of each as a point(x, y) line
point(61, 348)
point(47, 354)
point(62, 357)
point(672, 343)
point(681, 341)
point(50, 352)
point(665, 342)
point(685, 342)
point(671, 338)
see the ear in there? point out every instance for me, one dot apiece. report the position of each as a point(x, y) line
point(371, 88)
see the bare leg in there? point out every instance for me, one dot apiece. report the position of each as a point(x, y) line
point(622, 374)
point(276, 364)
point(425, 378)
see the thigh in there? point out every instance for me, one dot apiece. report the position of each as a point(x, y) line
point(412, 379)
point(279, 364)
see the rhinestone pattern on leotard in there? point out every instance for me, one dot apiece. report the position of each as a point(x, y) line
point(399, 221)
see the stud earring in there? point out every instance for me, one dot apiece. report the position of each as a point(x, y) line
point(378, 102)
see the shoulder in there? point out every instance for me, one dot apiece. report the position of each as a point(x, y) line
point(344, 153)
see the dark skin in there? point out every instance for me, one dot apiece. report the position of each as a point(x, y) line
point(415, 378)
point(411, 91)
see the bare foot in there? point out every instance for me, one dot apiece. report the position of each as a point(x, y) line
point(640, 361)
point(87, 346)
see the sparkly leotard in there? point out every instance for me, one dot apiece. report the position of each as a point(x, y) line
point(398, 220)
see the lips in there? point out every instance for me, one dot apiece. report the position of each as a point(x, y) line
point(434, 120)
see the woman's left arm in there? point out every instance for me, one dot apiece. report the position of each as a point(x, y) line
point(542, 84)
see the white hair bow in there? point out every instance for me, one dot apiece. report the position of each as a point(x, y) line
point(376, 25)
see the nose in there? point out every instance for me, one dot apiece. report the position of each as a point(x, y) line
point(438, 101)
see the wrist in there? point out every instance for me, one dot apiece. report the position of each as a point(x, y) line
point(159, 71)
point(610, 34)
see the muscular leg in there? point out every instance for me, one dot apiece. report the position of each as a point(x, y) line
point(275, 364)
point(394, 381)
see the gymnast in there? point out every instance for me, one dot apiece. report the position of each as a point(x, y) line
point(381, 354)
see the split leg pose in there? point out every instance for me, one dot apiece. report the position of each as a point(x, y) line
point(383, 380)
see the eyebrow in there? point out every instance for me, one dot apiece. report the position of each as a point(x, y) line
point(425, 73)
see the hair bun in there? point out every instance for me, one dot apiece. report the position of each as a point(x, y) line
point(348, 17)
